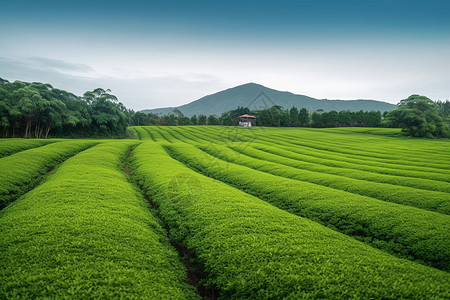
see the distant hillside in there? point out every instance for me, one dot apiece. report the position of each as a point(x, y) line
point(255, 96)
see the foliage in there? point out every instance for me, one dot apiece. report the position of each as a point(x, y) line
point(422, 198)
point(305, 160)
point(86, 232)
point(418, 116)
point(24, 170)
point(8, 147)
point(406, 231)
point(80, 235)
point(252, 250)
point(275, 116)
point(38, 110)
point(346, 118)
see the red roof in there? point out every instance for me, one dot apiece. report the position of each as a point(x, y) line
point(247, 116)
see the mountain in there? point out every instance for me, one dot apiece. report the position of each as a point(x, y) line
point(256, 96)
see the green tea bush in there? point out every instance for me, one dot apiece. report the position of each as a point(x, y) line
point(87, 233)
point(425, 199)
point(350, 149)
point(406, 231)
point(174, 135)
point(142, 133)
point(22, 171)
point(250, 249)
point(327, 160)
point(366, 174)
point(195, 135)
point(185, 135)
point(165, 136)
point(11, 146)
point(155, 134)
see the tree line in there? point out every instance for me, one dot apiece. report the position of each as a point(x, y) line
point(418, 116)
point(37, 110)
point(275, 116)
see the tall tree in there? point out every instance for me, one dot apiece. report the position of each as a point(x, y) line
point(108, 117)
point(303, 117)
point(212, 120)
point(293, 113)
point(418, 116)
point(194, 120)
point(201, 120)
point(317, 119)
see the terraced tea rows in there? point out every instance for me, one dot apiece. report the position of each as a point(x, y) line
point(87, 233)
point(23, 170)
point(426, 199)
point(407, 231)
point(263, 213)
point(11, 146)
point(251, 249)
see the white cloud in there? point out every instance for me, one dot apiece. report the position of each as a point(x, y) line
point(144, 76)
point(136, 92)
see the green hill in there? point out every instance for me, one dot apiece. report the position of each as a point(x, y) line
point(256, 96)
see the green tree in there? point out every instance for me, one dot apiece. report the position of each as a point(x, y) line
point(293, 113)
point(317, 119)
point(108, 117)
point(212, 120)
point(3, 81)
point(139, 119)
point(194, 120)
point(36, 109)
point(418, 116)
point(303, 117)
point(201, 120)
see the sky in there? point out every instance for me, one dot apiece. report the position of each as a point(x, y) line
point(168, 53)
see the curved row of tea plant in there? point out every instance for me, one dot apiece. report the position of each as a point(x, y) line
point(425, 199)
point(88, 233)
point(187, 135)
point(264, 136)
point(174, 136)
point(155, 134)
point(367, 174)
point(143, 134)
point(394, 132)
point(380, 146)
point(268, 136)
point(11, 146)
point(333, 167)
point(163, 133)
point(252, 250)
point(309, 140)
point(22, 171)
point(365, 154)
point(406, 231)
point(328, 160)
point(181, 135)
point(195, 135)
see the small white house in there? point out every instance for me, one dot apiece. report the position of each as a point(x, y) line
point(246, 120)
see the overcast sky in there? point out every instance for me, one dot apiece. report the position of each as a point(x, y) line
point(168, 53)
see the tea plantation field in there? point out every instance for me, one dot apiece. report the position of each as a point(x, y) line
point(215, 212)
